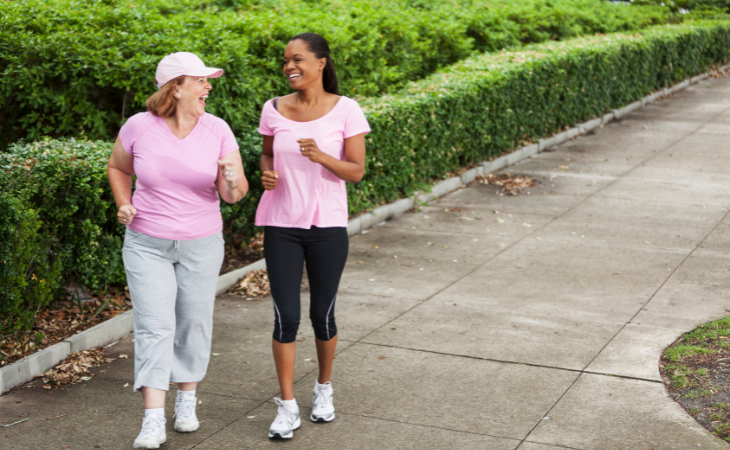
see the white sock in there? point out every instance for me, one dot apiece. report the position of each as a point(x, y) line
point(325, 385)
point(159, 411)
point(186, 393)
point(291, 405)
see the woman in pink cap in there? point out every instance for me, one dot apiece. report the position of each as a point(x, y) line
point(173, 247)
point(314, 142)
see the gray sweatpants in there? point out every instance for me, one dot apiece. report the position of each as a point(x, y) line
point(172, 285)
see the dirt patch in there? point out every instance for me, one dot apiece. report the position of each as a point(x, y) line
point(696, 372)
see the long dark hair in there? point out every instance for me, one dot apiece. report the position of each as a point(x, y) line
point(318, 45)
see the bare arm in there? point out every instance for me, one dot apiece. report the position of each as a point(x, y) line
point(351, 169)
point(120, 169)
point(269, 176)
point(232, 183)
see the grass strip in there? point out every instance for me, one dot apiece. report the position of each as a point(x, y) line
point(696, 371)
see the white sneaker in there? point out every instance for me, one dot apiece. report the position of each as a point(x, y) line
point(185, 418)
point(285, 423)
point(322, 408)
point(153, 432)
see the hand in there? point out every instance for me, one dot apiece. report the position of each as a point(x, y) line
point(229, 173)
point(126, 214)
point(270, 179)
point(309, 149)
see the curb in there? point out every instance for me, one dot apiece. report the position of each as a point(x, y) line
point(26, 369)
point(23, 371)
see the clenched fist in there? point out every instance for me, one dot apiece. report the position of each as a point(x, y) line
point(229, 173)
point(126, 214)
point(270, 179)
point(308, 147)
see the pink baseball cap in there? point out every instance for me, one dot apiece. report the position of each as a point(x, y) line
point(183, 63)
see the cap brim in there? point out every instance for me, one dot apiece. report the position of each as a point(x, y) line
point(210, 72)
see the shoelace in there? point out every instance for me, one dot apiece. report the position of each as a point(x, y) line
point(185, 408)
point(150, 425)
point(283, 415)
point(321, 399)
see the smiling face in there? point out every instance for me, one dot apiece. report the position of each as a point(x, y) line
point(192, 94)
point(302, 67)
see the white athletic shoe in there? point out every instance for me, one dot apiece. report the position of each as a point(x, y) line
point(285, 423)
point(185, 418)
point(153, 432)
point(322, 408)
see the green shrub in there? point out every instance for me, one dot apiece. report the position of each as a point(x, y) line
point(81, 67)
point(28, 275)
point(65, 182)
point(485, 105)
point(466, 113)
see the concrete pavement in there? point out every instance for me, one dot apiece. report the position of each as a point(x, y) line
point(481, 321)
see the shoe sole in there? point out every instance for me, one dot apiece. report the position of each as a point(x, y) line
point(150, 445)
point(322, 419)
point(289, 435)
point(186, 428)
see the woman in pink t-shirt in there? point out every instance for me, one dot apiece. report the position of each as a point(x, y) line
point(314, 142)
point(173, 248)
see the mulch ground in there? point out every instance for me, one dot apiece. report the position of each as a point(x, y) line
point(238, 256)
point(63, 320)
point(696, 371)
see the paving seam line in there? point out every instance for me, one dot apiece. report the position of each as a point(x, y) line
point(516, 363)
point(24, 370)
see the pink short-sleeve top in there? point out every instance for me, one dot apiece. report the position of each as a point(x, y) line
point(175, 193)
point(307, 193)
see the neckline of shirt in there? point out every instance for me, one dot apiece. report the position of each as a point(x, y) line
point(167, 127)
point(309, 121)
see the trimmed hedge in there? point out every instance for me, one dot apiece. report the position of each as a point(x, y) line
point(28, 274)
point(59, 200)
point(60, 227)
point(483, 106)
point(81, 67)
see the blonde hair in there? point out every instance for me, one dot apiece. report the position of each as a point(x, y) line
point(163, 102)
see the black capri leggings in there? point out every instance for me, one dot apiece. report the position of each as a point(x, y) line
point(325, 252)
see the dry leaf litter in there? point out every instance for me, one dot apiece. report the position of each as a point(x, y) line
point(74, 369)
point(241, 254)
point(65, 319)
point(508, 183)
point(253, 286)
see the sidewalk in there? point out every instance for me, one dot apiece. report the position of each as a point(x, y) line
point(535, 328)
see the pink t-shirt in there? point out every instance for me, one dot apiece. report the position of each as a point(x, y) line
point(307, 193)
point(176, 196)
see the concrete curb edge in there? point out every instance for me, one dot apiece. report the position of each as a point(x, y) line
point(26, 369)
point(20, 372)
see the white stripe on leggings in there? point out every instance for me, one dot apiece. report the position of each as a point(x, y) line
point(278, 316)
point(327, 317)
